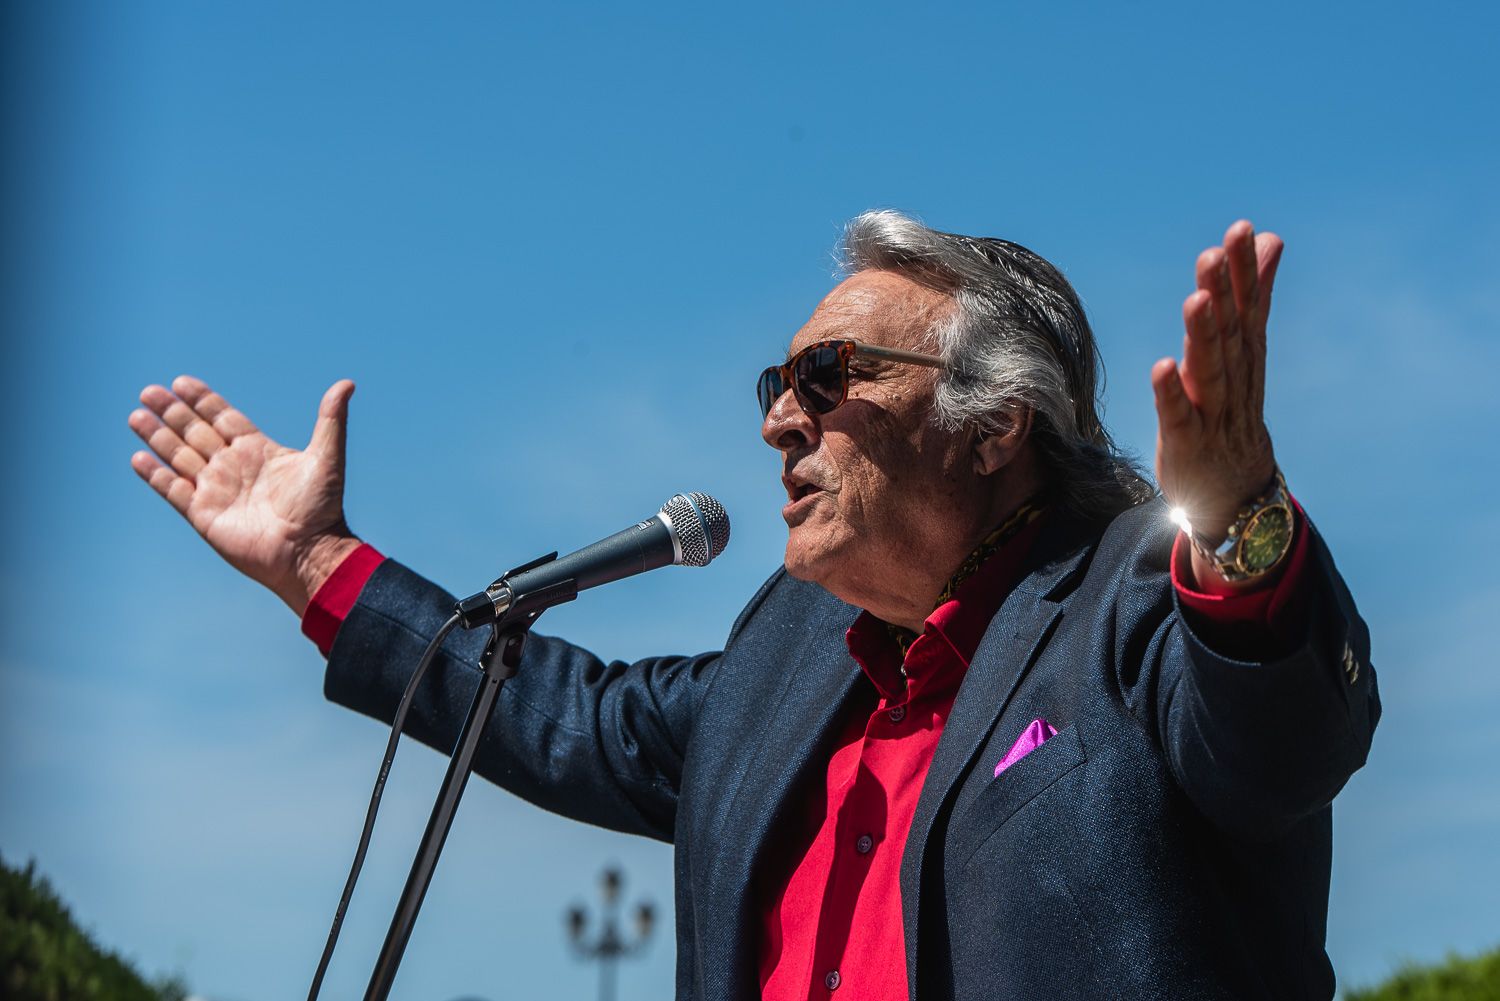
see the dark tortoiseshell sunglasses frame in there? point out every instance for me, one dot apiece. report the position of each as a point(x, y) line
point(774, 381)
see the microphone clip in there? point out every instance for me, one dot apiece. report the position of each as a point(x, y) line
point(498, 602)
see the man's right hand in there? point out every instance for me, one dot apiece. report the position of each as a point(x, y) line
point(274, 513)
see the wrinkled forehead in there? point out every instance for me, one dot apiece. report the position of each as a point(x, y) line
point(877, 307)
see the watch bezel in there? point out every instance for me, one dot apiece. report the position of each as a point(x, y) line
point(1258, 519)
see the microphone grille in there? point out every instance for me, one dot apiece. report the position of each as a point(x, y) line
point(701, 524)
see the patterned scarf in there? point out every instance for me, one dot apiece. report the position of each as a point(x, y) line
point(988, 546)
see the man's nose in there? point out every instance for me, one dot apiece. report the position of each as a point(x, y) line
point(788, 427)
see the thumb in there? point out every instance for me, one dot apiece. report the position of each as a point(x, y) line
point(333, 420)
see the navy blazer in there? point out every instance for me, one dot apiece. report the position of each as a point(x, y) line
point(1172, 841)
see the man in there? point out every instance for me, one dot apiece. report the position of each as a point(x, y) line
point(998, 728)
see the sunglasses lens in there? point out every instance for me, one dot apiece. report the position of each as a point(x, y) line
point(819, 380)
point(768, 390)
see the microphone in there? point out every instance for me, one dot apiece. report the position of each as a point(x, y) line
point(690, 529)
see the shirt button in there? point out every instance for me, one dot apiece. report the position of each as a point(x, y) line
point(831, 980)
point(898, 714)
point(864, 844)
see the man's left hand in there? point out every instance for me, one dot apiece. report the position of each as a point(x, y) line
point(1213, 452)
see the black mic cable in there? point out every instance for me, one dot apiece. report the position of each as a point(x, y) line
point(385, 771)
point(690, 529)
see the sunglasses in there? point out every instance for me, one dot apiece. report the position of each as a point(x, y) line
point(818, 375)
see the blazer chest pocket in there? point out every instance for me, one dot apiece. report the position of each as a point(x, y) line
point(1013, 788)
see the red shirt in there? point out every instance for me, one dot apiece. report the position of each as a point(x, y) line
point(830, 896)
point(830, 891)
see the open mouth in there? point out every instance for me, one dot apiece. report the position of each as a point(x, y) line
point(803, 490)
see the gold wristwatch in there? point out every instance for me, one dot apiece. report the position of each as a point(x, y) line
point(1259, 539)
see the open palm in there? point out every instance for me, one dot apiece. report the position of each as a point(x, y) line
point(262, 506)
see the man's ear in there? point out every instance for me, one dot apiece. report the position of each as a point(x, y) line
point(995, 449)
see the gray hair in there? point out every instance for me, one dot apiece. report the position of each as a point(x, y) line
point(1017, 339)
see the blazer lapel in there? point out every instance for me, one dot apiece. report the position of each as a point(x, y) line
point(819, 679)
point(1009, 647)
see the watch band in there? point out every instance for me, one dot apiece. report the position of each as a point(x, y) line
point(1259, 538)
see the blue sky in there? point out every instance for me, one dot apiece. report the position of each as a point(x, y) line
point(554, 245)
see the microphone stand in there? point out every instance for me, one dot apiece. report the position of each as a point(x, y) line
point(507, 637)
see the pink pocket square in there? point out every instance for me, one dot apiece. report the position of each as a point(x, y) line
point(1036, 734)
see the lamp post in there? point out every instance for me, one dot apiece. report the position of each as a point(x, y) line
point(608, 945)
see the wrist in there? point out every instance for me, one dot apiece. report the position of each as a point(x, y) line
point(1213, 520)
point(1254, 544)
point(315, 562)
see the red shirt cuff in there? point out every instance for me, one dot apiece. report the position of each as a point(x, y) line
point(330, 606)
point(1266, 606)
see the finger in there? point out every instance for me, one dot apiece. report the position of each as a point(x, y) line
point(1213, 277)
point(1268, 248)
point(1239, 244)
point(166, 443)
point(190, 427)
point(226, 421)
point(1174, 411)
point(162, 403)
point(331, 430)
point(1212, 273)
point(1202, 371)
point(177, 491)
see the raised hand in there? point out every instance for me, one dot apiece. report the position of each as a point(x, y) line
point(274, 513)
point(1213, 452)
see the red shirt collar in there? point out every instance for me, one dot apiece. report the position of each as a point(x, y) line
point(939, 656)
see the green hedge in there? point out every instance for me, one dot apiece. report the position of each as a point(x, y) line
point(45, 956)
point(1457, 978)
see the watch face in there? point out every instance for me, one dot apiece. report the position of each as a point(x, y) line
point(1266, 539)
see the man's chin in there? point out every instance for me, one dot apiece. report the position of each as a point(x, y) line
point(796, 563)
point(808, 562)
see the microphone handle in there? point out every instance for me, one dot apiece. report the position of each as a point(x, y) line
point(641, 547)
point(547, 582)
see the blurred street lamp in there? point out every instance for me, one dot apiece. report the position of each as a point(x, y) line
point(609, 945)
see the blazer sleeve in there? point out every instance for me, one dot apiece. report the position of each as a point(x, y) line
point(599, 742)
point(1259, 735)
